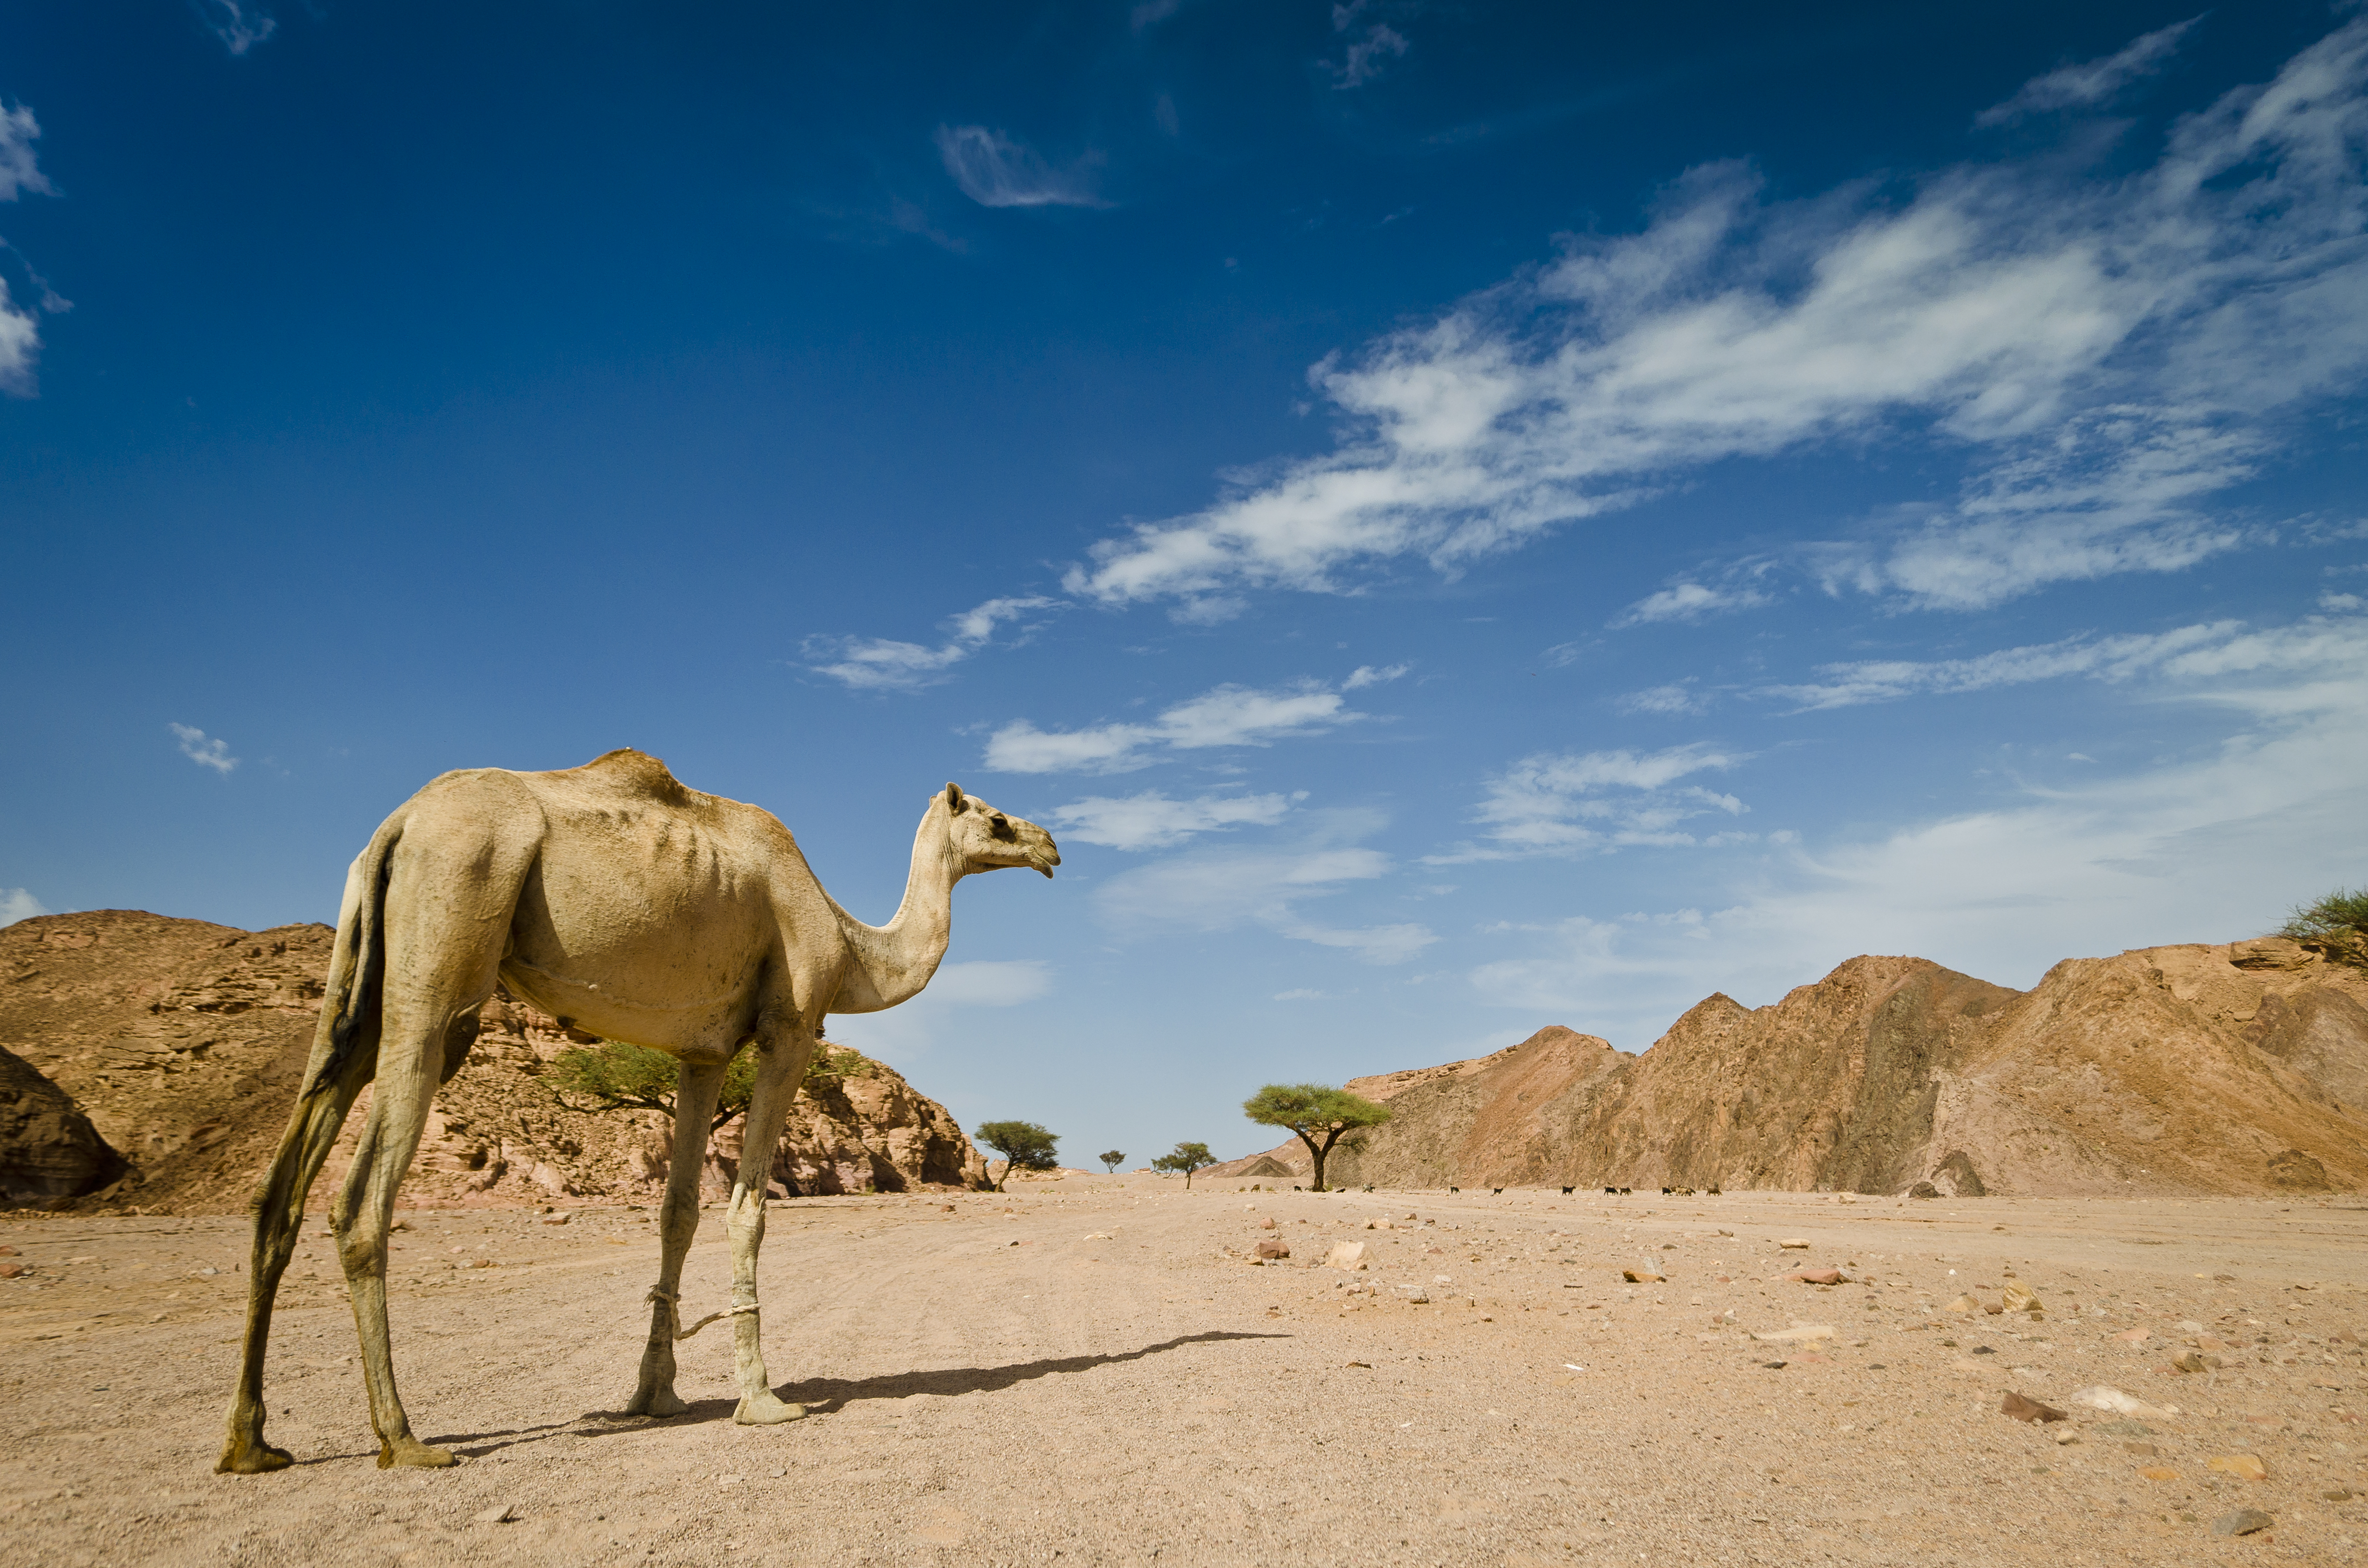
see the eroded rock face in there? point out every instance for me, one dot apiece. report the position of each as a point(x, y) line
point(48, 1148)
point(2240, 1068)
point(184, 1043)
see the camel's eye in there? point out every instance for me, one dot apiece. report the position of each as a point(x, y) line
point(1003, 829)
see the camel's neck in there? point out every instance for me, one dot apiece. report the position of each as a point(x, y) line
point(894, 961)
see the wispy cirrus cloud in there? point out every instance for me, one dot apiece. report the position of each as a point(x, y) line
point(1221, 890)
point(2188, 658)
point(1564, 803)
point(204, 750)
point(2105, 352)
point(1151, 821)
point(20, 329)
point(884, 663)
point(1221, 716)
point(1372, 44)
point(2094, 81)
point(240, 24)
point(996, 170)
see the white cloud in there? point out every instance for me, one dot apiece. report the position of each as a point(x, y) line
point(1373, 45)
point(994, 170)
point(982, 984)
point(1368, 674)
point(20, 331)
point(2076, 86)
point(18, 170)
point(1688, 601)
point(1151, 821)
point(1561, 804)
point(2106, 352)
point(16, 904)
point(882, 664)
point(2198, 849)
point(1224, 716)
point(1221, 890)
point(240, 24)
point(205, 753)
point(1673, 697)
point(1303, 993)
point(2186, 655)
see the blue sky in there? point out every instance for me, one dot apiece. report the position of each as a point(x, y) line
point(1459, 517)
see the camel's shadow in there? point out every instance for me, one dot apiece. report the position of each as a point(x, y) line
point(826, 1396)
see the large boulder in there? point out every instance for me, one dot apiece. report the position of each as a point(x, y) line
point(49, 1150)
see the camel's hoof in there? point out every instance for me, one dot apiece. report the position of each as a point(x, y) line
point(656, 1402)
point(764, 1410)
point(413, 1453)
point(252, 1458)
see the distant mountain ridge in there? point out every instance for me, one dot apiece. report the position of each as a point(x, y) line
point(2238, 1068)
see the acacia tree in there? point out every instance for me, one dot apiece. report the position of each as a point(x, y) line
point(613, 1076)
point(1314, 1112)
point(1023, 1145)
point(1112, 1159)
point(2337, 925)
point(1186, 1157)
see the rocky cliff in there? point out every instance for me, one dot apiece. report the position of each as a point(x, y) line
point(2239, 1068)
point(183, 1041)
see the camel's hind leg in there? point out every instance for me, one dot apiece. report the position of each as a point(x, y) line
point(778, 1071)
point(698, 1088)
point(279, 1219)
point(448, 911)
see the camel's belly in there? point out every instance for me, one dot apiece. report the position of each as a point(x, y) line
point(654, 939)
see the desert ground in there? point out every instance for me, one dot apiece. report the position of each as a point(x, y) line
point(1091, 1369)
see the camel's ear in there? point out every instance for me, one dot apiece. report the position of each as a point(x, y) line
point(955, 801)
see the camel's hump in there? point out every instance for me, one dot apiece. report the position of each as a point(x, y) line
point(634, 772)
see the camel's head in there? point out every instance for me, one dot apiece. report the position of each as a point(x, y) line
point(988, 840)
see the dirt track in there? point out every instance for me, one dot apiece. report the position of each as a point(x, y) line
point(1147, 1397)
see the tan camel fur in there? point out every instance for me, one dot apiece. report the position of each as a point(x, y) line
point(621, 902)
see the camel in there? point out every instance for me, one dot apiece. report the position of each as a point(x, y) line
point(624, 904)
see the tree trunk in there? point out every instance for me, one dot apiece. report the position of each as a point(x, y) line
point(1317, 1155)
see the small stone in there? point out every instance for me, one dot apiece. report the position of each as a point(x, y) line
point(2243, 1521)
point(2194, 1361)
point(7, 1252)
point(2020, 1298)
point(2159, 1472)
point(1417, 1295)
point(1817, 1276)
point(555, 1219)
point(13, 1271)
point(2244, 1466)
point(1963, 1304)
point(1267, 1223)
point(2063, 1439)
point(1640, 1277)
point(1795, 1245)
point(501, 1515)
point(1273, 1249)
point(208, 1272)
point(2339, 1495)
point(2023, 1409)
point(1346, 1255)
point(1923, 1189)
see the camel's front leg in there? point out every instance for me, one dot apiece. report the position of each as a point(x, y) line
point(779, 1069)
point(697, 1089)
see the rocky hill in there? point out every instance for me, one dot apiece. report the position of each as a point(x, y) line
point(2240, 1068)
point(183, 1043)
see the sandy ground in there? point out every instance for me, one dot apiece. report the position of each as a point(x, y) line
point(1089, 1369)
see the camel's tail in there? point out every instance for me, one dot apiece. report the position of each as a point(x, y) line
point(350, 1014)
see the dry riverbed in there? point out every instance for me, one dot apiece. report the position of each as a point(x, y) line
point(1091, 1369)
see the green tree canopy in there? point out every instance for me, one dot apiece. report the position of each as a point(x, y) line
point(1186, 1157)
point(1112, 1159)
point(2338, 921)
point(1314, 1111)
point(1023, 1145)
point(613, 1076)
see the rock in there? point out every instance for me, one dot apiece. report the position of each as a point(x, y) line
point(1640, 1277)
point(2143, 1450)
point(13, 1271)
point(2023, 1409)
point(2020, 1298)
point(2159, 1472)
point(501, 1514)
point(50, 1153)
point(2243, 1521)
point(2293, 1168)
point(2194, 1361)
point(1346, 1255)
point(2339, 1495)
point(2097, 1396)
point(1817, 1276)
point(1795, 1245)
point(1267, 1223)
point(1963, 1304)
point(1417, 1295)
point(2270, 952)
point(1796, 1333)
point(1273, 1249)
point(554, 1219)
point(2244, 1466)
point(1923, 1189)
point(7, 1252)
